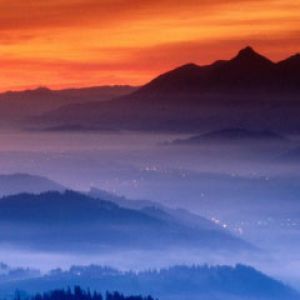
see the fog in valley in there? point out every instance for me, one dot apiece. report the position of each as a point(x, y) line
point(249, 188)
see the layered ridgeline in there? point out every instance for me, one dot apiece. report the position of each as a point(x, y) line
point(230, 135)
point(178, 282)
point(260, 220)
point(68, 221)
point(252, 216)
point(16, 107)
point(248, 91)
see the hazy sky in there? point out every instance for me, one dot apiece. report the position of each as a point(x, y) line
point(62, 43)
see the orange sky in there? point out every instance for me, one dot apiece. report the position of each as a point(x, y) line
point(62, 43)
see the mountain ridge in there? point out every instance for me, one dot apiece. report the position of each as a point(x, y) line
point(22, 182)
point(53, 220)
point(248, 69)
point(248, 90)
point(17, 106)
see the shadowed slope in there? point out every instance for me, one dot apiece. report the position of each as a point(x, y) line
point(73, 220)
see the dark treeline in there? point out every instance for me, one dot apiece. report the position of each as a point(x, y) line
point(79, 294)
point(177, 282)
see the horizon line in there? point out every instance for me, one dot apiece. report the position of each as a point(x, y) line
point(57, 88)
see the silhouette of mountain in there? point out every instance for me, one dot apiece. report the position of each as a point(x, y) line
point(231, 135)
point(247, 91)
point(290, 70)
point(72, 220)
point(178, 282)
point(24, 183)
point(248, 70)
point(17, 106)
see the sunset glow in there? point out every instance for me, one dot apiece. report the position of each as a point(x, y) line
point(62, 43)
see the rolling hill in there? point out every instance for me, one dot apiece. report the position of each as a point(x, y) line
point(64, 221)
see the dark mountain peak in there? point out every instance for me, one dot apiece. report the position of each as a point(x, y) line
point(249, 56)
point(35, 93)
point(188, 66)
point(292, 60)
point(296, 56)
point(248, 69)
point(40, 90)
point(247, 51)
point(183, 69)
point(182, 79)
point(219, 62)
point(289, 72)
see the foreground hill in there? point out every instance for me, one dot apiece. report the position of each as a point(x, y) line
point(247, 91)
point(72, 221)
point(24, 183)
point(80, 294)
point(179, 282)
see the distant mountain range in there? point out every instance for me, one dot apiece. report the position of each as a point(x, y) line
point(12, 184)
point(178, 282)
point(239, 202)
point(231, 135)
point(260, 209)
point(16, 184)
point(156, 209)
point(248, 91)
point(16, 107)
point(73, 221)
point(242, 203)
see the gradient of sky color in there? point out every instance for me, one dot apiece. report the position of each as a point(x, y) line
point(62, 43)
